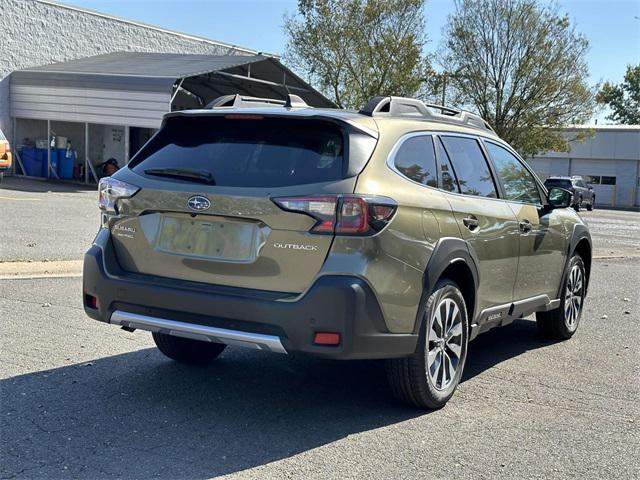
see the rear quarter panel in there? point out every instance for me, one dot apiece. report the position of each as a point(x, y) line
point(393, 262)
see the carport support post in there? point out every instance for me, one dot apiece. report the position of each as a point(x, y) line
point(48, 148)
point(126, 144)
point(86, 152)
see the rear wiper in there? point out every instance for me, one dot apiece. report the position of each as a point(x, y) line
point(201, 176)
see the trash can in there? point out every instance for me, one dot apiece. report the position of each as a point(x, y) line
point(66, 162)
point(55, 155)
point(32, 161)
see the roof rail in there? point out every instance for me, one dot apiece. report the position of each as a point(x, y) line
point(410, 107)
point(241, 101)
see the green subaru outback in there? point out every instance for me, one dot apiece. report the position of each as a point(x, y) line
point(398, 232)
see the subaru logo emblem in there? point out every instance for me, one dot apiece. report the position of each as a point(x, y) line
point(198, 203)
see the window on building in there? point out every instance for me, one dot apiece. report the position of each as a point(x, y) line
point(416, 160)
point(592, 179)
point(519, 185)
point(470, 166)
point(607, 180)
point(599, 180)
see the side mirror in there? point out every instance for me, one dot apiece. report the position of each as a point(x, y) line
point(559, 198)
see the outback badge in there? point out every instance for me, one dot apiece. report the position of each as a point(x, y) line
point(198, 203)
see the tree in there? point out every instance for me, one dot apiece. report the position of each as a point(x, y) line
point(353, 50)
point(623, 99)
point(522, 67)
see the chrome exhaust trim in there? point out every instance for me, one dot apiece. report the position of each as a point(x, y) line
point(203, 333)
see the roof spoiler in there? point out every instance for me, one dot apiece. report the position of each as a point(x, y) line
point(410, 107)
point(241, 101)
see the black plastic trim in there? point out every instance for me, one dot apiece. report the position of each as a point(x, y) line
point(580, 232)
point(342, 304)
point(447, 251)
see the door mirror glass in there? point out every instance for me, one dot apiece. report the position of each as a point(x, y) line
point(559, 197)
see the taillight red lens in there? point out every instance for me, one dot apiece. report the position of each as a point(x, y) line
point(343, 214)
point(354, 216)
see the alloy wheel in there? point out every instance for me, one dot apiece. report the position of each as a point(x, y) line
point(444, 343)
point(573, 296)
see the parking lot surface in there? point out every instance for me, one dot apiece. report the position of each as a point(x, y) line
point(80, 399)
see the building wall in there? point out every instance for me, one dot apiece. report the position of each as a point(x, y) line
point(39, 32)
point(612, 152)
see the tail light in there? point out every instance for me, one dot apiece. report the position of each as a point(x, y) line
point(110, 191)
point(343, 214)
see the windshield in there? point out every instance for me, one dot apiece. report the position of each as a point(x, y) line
point(247, 151)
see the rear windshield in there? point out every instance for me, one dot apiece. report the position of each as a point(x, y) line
point(557, 182)
point(250, 152)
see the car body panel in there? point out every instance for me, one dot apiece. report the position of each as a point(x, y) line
point(6, 158)
point(542, 251)
point(157, 237)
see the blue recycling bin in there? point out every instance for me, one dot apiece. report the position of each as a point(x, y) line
point(31, 161)
point(66, 163)
point(55, 155)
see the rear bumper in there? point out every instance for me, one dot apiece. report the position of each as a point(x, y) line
point(341, 304)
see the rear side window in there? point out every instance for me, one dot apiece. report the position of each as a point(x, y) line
point(416, 160)
point(470, 166)
point(519, 185)
point(254, 152)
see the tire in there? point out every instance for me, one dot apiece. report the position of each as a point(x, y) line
point(410, 378)
point(185, 350)
point(562, 323)
point(576, 207)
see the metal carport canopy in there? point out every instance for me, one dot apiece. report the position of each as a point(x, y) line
point(136, 89)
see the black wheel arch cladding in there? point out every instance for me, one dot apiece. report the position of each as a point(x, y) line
point(452, 258)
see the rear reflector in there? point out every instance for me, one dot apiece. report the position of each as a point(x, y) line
point(327, 338)
point(91, 301)
point(343, 214)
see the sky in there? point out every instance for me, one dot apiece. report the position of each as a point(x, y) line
point(611, 26)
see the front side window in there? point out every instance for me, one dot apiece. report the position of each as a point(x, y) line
point(470, 166)
point(416, 160)
point(519, 185)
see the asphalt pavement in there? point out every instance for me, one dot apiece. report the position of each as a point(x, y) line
point(81, 399)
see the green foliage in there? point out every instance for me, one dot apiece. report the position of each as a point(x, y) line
point(522, 67)
point(623, 99)
point(353, 50)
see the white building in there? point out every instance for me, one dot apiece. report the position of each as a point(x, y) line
point(101, 84)
point(609, 161)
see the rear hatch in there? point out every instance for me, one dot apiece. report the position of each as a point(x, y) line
point(208, 209)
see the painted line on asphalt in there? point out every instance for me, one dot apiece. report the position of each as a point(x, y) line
point(22, 199)
point(56, 268)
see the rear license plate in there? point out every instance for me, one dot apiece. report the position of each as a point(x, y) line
point(216, 240)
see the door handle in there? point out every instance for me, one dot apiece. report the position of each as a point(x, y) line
point(471, 222)
point(525, 226)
